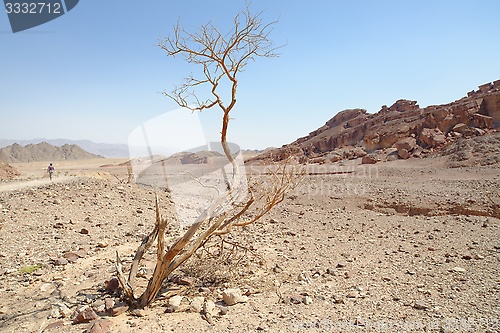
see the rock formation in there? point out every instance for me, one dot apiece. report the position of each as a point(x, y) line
point(7, 171)
point(412, 130)
point(43, 152)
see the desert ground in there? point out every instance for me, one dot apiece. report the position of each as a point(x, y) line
point(402, 246)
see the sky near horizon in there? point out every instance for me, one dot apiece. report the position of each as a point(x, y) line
point(97, 73)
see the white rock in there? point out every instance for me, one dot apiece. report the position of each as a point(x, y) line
point(233, 296)
point(64, 310)
point(174, 303)
point(459, 269)
point(210, 308)
point(196, 304)
point(46, 287)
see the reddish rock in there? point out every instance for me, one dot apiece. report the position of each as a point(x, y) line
point(407, 143)
point(460, 128)
point(99, 326)
point(404, 154)
point(112, 285)
point(119, 309)
point(404, 120)
point(480, 121)
point(109, 303)
point(432, 137)
point(84, 315)
point(369, 159)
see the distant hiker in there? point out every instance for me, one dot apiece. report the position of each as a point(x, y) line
point(50, 170)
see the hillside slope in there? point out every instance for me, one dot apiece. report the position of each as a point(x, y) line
point(43, 152)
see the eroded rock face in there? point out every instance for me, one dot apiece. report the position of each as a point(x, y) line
point(403, 125)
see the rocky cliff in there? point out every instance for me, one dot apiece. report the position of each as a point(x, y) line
point(403, 127)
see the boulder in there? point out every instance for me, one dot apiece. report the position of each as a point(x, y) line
point(460, 128)
point(480, 121)
point(404, 154)
point(408, 144)
point(369, 159)
point(432, 137)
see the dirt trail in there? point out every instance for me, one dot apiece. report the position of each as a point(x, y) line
point(17, 185)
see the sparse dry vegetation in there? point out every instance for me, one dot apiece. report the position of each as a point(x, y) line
point(221, 56)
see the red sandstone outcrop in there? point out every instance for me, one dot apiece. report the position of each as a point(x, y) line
point(412, 130)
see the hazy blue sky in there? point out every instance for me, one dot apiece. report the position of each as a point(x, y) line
point(96, 72)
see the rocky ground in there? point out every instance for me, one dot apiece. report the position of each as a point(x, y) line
point(402, 246)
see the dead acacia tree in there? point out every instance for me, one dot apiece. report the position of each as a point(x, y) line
point(221, 57)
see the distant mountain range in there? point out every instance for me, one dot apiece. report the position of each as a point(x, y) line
point(43, 152)
point(102, 149)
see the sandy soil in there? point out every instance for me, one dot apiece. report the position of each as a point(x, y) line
point(403, 246)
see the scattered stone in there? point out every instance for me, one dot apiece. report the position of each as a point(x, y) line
point(99, 326)
point(262, 327)
point(84, 315)
point(404, 154)
point(119, 309)
point(138, 312)
point(420, 305)
point(60, 261)
point(46, 287)
point(233, 296)
point(341, 264)
point(337, 299)
point(60, 310)
point(84, 231)
point(305, 278)
point(81, 253)
point(467, 257)
point(183, 280)
point(51, 326)
point(109, 303)
point(71, 256)
point(459, 269)
point(277, 269)
point(296, 299)
point(210, 309)
point(196, 304)
point(307, 300)
point(102, 245)
point(369, 159)
point(174, 303)
point(112, 285)
point(352, 294)
point(223, 310)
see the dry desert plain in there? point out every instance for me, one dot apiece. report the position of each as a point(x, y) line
point(401, 246)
